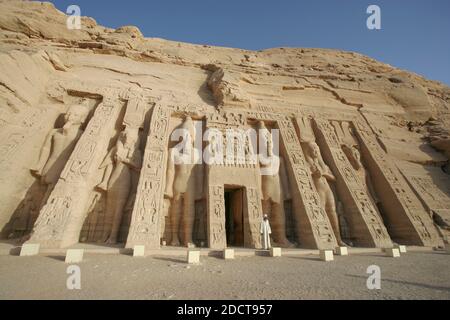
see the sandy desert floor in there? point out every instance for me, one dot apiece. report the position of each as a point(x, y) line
point(415, 275)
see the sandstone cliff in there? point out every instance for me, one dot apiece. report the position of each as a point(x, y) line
point(45, 68)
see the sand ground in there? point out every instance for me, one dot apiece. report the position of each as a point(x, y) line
point(415, 275)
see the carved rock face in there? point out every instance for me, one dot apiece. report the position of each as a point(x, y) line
point(353, 156)
point(76, 114)
point(117, 89)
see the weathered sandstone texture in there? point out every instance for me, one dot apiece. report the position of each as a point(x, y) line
point(86, 116)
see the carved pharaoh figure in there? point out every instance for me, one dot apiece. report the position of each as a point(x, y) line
point(322, 176)
point(122, 165)
point(354, 157)
point(59, 145)
point(180, 186)
point(272, 193)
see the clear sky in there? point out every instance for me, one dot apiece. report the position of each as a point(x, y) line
point(414, 35)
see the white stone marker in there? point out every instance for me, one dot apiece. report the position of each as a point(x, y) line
point(228, 254)
point(74, 255)
point(400, 248)
point(275, 252)
point(392, 252)
point(193, 256)
point(29, 249)
point(326, 255)
point(138, 251)
point(341, 251)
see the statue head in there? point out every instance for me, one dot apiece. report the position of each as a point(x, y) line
point(353, 155)
point(312, 149)
point(76, 114)
point(261, 125)
point(188, 125)
point(266, 137)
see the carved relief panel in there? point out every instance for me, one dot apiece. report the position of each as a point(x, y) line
point(113, 196)
point(61, 219)
point(311, 219)
point(252, 218)
point(145, 221)
point(406, 218)
point(216, 217)
point(366, 225)
point(432, 186)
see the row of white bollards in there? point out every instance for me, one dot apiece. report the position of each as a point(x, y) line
point(328, 255)
point(193, 256)
point(72, 255)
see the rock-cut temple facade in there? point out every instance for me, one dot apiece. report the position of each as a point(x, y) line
point(89, 121)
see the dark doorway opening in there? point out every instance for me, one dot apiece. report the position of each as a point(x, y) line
point(234, 217)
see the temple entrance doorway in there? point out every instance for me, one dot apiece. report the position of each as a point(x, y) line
point(234, 216)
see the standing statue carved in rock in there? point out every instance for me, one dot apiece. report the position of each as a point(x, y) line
point(272, 193)
point(180, 185)
point(58, 146)
point(354, 157)
point(122, 165)
point(322, 176)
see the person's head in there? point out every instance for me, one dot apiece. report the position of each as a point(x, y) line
point(266, 217)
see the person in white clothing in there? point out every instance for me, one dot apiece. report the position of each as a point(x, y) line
point(265, 232)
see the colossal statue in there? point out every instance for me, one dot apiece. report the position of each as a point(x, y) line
point(58, 146)
point(180, 185)
point(122, 165)
point(322, 176)
point(271, 185)
point(354, 156)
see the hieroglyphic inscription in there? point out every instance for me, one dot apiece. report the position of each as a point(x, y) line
point(398, 199)
point(234, 142)
point(436, 198)
point(61, 219)
point(145, 221)
point(216, 217)
point(366, 223)
point(254, 217)
point(312, 221)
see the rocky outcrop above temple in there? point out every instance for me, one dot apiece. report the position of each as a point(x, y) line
point(72, 100)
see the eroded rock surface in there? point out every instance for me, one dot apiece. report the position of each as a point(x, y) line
point(383, 134)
